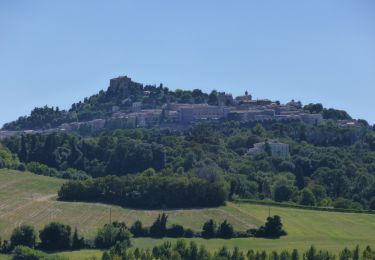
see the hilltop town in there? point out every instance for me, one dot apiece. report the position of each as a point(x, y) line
point(133, 111)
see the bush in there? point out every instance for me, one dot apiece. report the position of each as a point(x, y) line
point(38, 168)
point(189, 233)
point(21, 167)
point(23, 236)
point(307, 197)
point(342, 203)
point(26, 253)
point(176, 231)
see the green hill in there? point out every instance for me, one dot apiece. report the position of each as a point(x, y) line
point(31, 199)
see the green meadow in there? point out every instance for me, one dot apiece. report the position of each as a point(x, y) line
point(27, 198)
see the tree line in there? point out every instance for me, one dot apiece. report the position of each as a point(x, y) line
point(273, 228)
point(191, 251)
point(56, 236)
point(53, 237)
point(143, 191)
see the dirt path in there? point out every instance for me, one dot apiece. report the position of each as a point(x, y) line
point(46, 197)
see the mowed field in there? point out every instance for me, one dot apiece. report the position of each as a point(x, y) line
point(26, 198)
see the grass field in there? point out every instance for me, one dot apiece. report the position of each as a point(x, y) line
point(4, 257)
point(31, 199)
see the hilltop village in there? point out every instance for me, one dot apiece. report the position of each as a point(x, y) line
point(133, 114)
point(242, 108)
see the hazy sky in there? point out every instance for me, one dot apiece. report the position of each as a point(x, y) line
point(58, 52)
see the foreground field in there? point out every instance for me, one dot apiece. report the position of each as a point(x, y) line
point(31, 199)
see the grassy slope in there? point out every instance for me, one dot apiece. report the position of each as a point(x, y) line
point(31, 199)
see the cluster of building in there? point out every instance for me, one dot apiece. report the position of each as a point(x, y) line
point(349, 123)
point(242, 108)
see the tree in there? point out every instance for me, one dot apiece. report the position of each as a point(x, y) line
point(237, 254)
point(267, 148)
point(225, 230)
point(313, 108)
point(356, 253)
point(77, 241)
point(307, 197)
point(282, 191)
point(2, 162)
point(295, 255)
point(23, 235)
point(372, 203)
point(189, 161)
point(345, 254)
point(55, 236)
point(212, 98)
point(110, 234)
point(159, 227)
point(319, 192)
point(370, 140)
point(272, 229)
point(209, 229)
point(259, 130)
point(137, 229)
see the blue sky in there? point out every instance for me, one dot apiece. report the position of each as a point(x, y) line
point(58, 52)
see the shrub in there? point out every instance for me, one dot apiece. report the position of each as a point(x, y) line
point(176, 231)
point(307, 197)
point(21, 167)
point(26, 253)
point(342, 203)
point(189, 233)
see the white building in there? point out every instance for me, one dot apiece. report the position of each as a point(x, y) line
point(277, 149)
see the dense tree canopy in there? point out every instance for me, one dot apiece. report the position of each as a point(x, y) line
point(148, 191)
point(326, 160)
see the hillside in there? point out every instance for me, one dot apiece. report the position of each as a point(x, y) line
point(31, 199)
